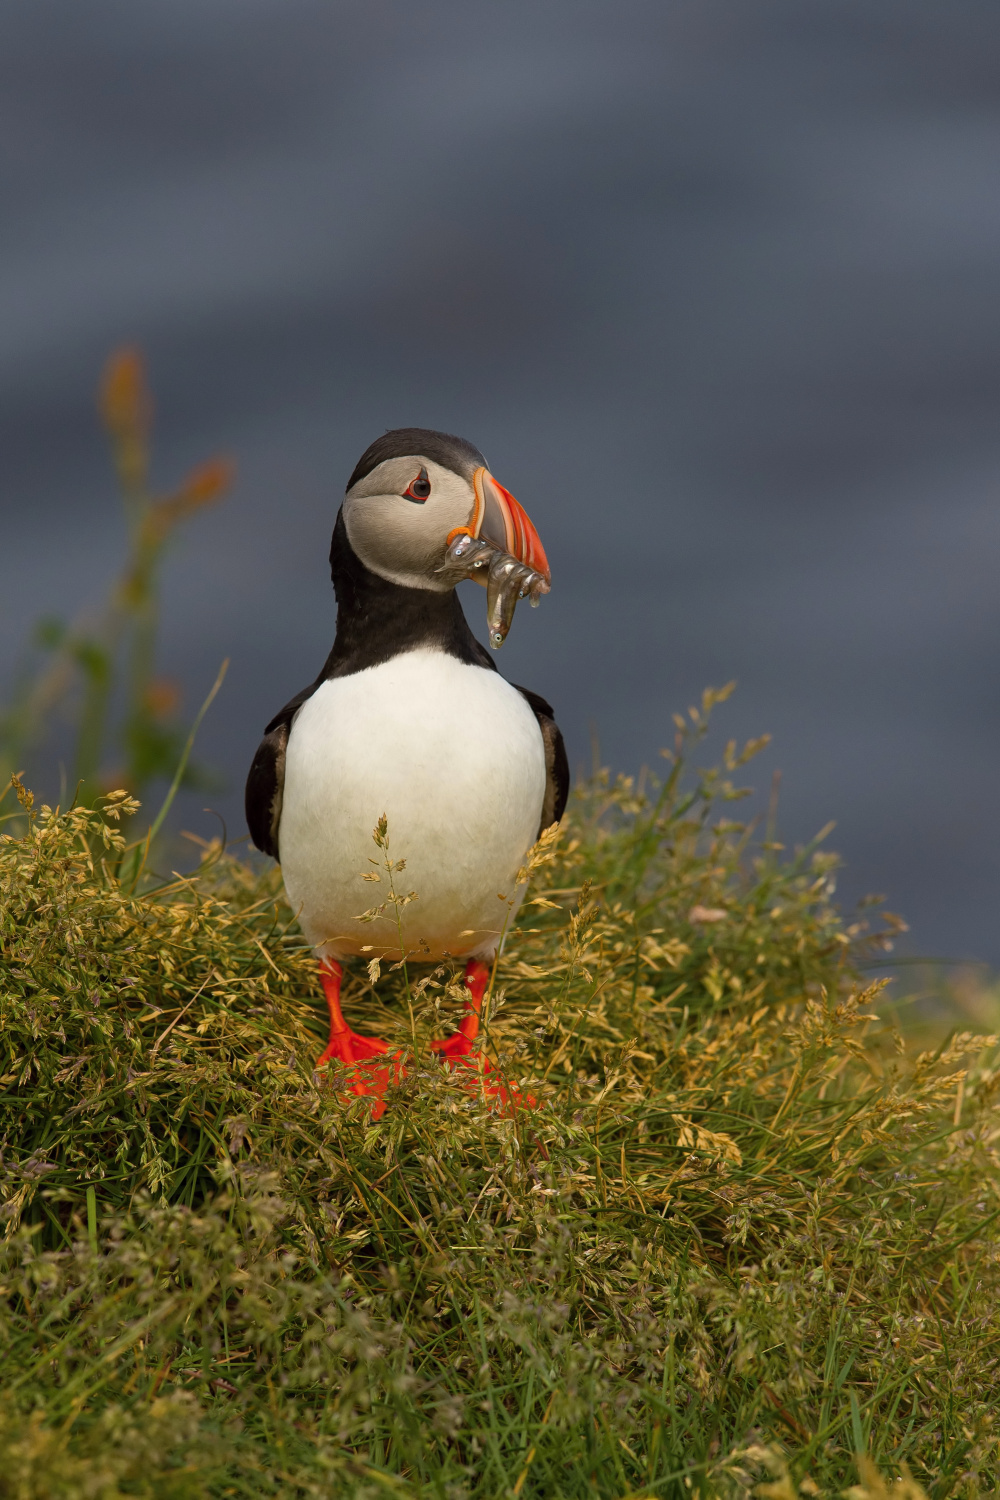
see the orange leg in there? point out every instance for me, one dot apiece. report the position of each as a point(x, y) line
point(457, 1050)
point(357, 1053)
point(477, 977)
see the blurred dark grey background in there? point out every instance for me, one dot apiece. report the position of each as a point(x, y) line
point(713, 284)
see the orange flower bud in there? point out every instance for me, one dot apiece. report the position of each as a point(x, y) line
point(162, 696)
point(208, 481)
point(124, 399)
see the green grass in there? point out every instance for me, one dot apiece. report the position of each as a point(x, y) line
point(744, 1236)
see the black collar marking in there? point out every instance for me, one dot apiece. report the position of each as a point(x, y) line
point(377, 620)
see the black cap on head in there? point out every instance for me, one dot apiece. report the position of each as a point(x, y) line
point(442, 448)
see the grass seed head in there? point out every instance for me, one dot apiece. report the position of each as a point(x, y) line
point(733, 1190)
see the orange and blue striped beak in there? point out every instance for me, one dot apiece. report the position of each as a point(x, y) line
point(497, 517)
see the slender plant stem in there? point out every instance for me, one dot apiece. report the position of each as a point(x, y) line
point(178, 774)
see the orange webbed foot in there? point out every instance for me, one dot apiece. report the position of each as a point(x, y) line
point(457, 1051)
point(369, 1065)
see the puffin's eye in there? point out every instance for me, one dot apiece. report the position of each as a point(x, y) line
point(418, 489)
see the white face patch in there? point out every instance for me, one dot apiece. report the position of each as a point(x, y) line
point(401, 539)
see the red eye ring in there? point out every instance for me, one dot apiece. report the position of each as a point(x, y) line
point(418, 489)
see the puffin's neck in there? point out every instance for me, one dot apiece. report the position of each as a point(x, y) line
point(377, 620)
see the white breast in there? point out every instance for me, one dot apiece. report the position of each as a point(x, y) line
point(453, 755)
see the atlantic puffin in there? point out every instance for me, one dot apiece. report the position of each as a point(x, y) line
point(409, 719)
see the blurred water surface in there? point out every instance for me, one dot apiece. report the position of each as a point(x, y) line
point(714, 286)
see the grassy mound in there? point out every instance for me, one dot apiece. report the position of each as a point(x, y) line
point(742, 1237)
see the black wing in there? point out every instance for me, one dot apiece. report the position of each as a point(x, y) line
point(556, 763)
point(266, 781)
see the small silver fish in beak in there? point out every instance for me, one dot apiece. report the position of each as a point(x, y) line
point(500, 549)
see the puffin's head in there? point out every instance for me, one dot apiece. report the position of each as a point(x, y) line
point(413, 492)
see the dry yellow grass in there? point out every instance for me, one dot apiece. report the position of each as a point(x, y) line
point(743, 1226)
